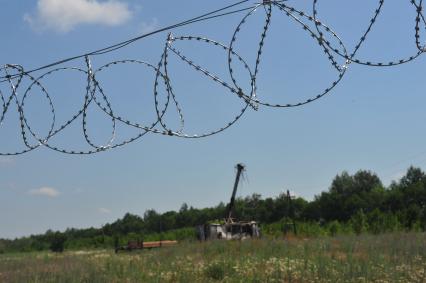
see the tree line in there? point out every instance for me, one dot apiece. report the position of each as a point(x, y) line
point(353, 204)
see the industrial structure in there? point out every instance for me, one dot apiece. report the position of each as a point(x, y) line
point(230, 229)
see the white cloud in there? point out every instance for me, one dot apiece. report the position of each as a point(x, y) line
point(45, 191)
point(147, 27)
point(65, 15)
point(104, 210)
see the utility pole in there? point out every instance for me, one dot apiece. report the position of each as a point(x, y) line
point(290, 212)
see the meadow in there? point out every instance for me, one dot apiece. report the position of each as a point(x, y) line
point(395, 257)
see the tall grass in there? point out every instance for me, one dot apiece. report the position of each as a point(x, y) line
point(396, 257)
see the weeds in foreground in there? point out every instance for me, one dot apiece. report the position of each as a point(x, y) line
point(399, 257)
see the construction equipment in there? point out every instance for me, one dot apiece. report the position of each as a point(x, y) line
point(240, 169)
point(230, 229)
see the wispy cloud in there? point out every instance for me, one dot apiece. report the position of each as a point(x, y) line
point(147, 27)
point(65, 15)
point(45, 191)
point(103, 210)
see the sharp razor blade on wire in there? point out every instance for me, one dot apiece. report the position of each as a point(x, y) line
point(95, 94)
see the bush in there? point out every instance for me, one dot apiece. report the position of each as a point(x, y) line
point(57, 242)
point(215, 271)
point(359, 222)
point(310, 229)
point(334, 227)
point(376, 222)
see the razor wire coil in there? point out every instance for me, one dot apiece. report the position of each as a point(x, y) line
point(96, 96)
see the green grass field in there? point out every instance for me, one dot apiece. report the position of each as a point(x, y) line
point(399, 257)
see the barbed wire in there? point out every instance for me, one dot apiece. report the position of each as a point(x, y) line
point(95, 94)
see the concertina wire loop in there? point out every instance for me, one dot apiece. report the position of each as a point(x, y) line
point(96, 95)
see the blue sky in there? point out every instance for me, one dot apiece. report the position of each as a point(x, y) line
point(374, 119)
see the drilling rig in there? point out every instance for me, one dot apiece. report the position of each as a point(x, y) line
point(230, 229)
